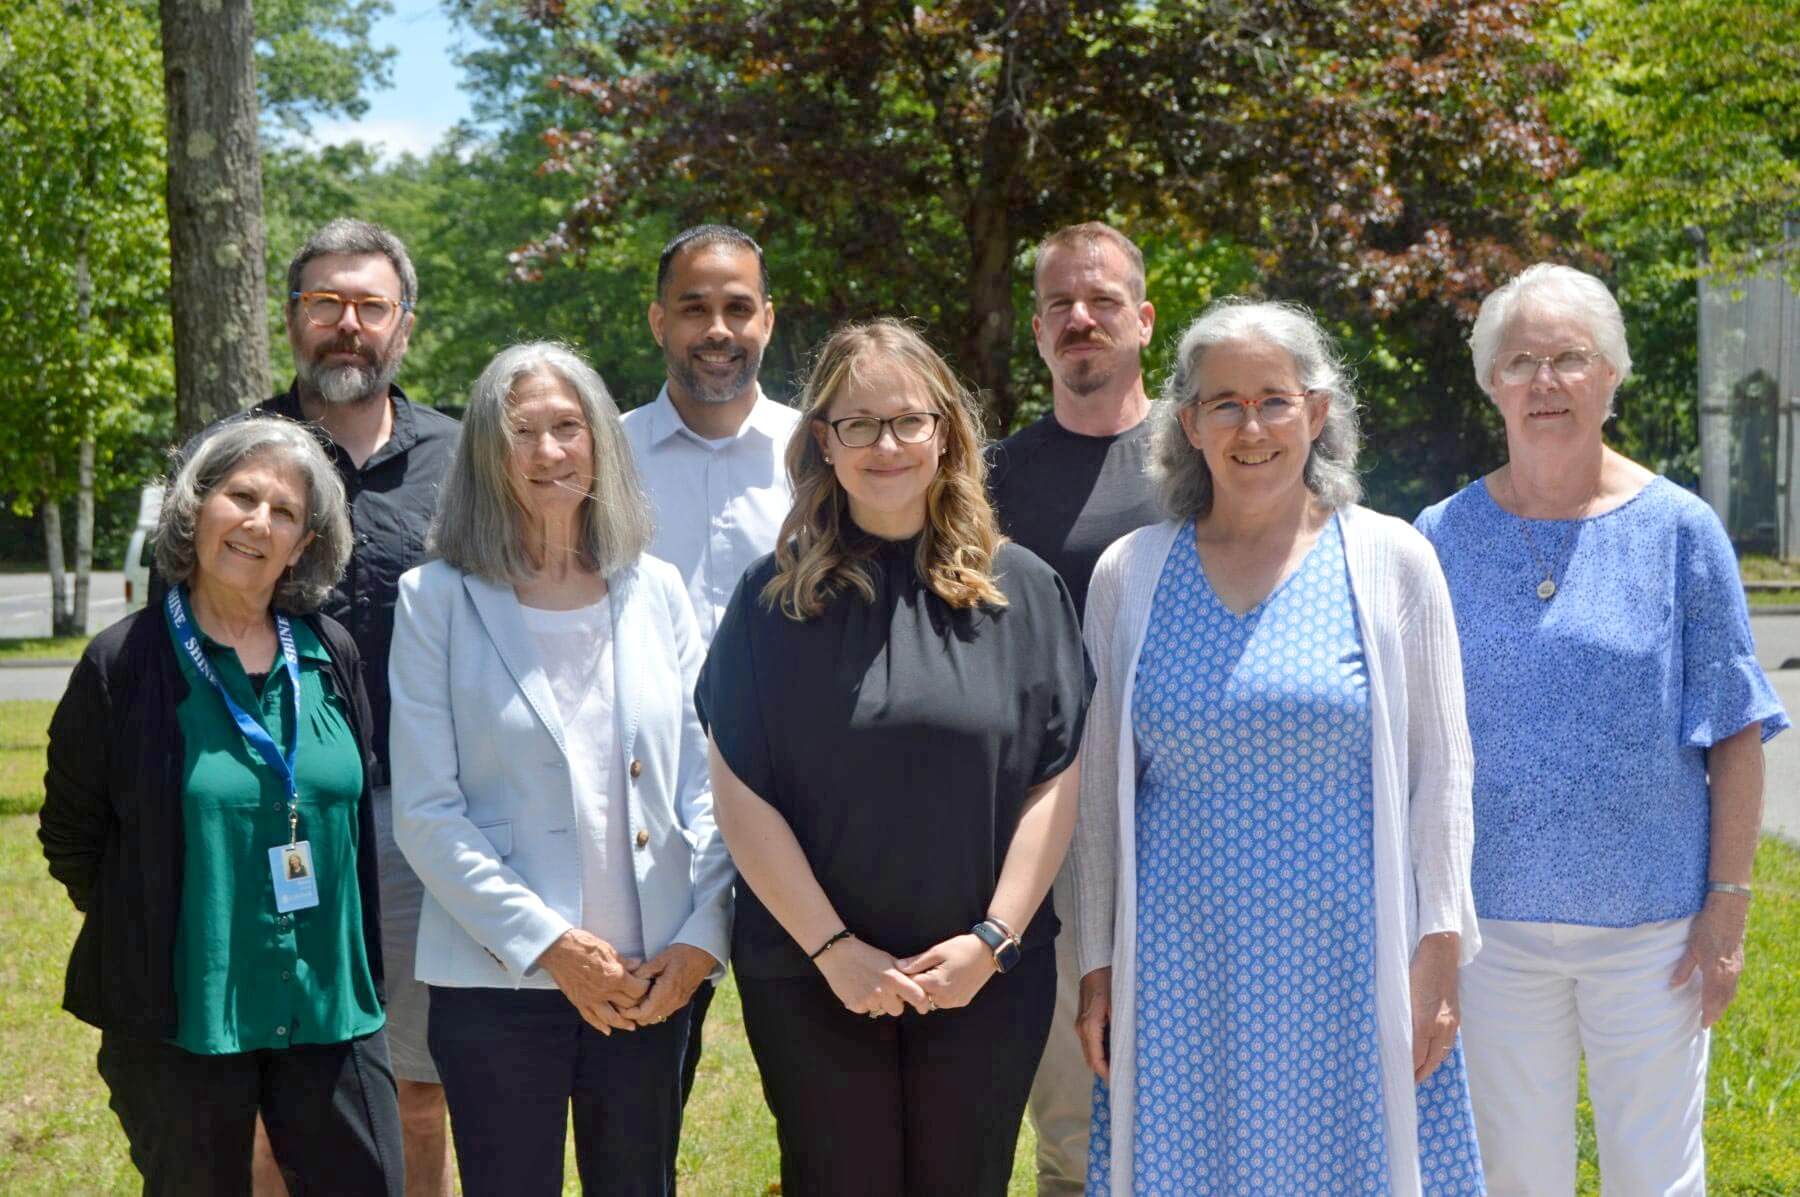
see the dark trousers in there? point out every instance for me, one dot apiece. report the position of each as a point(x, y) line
point(698, 1005)
point(899, 1107)
point(513, 1060)
point(331, 1111)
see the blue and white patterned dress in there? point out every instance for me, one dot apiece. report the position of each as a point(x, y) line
point(1258, 1063)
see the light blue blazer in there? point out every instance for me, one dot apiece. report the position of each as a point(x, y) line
point(484, 804)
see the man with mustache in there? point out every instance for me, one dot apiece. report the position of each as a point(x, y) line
point(710, 448)
point(351, 294)
point(1066, 487)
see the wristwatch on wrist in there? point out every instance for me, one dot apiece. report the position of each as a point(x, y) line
point(1004, 947)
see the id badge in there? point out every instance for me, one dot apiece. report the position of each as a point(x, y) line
point(291, 868)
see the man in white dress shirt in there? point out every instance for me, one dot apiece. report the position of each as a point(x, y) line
point(710, 449)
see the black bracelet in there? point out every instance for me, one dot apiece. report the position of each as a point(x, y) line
point(826, 946)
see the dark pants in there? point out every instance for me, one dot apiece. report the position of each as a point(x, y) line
point(698, 1005)
point(899, 1107)
point(190, 1119)
point(512, 1061)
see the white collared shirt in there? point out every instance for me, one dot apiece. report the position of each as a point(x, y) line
point(718, 504)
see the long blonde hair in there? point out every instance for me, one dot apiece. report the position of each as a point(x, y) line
point(956, 550)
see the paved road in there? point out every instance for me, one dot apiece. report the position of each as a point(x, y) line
point(25, 602)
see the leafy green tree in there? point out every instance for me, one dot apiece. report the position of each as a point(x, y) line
point(84, 330)
point(316, 58)
point(1686, 112)
point(1379, 160)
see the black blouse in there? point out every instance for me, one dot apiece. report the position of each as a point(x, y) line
point(898, 739)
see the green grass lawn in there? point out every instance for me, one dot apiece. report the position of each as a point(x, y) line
point(22, 739)
point(57, 1136)
point(41, 648)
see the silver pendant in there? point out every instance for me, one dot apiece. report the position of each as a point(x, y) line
point(1545, 589)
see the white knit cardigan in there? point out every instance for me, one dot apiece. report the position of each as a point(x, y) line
point(1423, 825)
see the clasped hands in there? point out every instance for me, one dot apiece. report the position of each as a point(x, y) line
point(617, 993)
point(872, 982)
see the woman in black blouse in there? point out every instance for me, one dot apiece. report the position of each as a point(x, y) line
point(895, 699)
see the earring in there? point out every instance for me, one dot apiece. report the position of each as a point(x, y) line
point(828, 461)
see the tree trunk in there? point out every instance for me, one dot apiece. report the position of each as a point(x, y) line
point(987, 353)
point(84, 468)
point(218, 295)
point(50, 511)
point(84, 536)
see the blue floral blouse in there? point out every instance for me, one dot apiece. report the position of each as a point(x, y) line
point(1591, 712)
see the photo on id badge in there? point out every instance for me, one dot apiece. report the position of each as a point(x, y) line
point(291, 868)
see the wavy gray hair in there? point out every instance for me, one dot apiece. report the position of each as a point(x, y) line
point(480, 525)
point(1562, 293)
point(234, 444)
point(1183, 481)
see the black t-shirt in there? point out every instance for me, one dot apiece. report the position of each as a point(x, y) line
point(898, 739)
point(1066, 496)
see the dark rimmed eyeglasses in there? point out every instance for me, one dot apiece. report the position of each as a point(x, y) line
point(326, 308)
point(909, 428)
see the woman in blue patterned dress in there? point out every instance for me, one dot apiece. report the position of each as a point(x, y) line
point(1618, 715)
point(1272, 859)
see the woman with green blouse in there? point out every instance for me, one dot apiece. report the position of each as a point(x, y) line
point(206, 806)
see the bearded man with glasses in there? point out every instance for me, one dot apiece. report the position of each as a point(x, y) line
point(351, 307)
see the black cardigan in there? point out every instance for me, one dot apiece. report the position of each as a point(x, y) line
point(111, 826)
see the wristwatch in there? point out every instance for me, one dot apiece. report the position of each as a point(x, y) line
point(1004, 947)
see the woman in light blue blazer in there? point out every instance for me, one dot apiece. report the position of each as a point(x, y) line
point(550, 789)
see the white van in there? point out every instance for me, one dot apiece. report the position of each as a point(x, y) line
point(142, 544)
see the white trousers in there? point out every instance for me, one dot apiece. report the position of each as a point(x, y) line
point(1536, 999)
point(1062, 1095)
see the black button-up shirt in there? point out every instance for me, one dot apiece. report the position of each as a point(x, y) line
point(392, 500)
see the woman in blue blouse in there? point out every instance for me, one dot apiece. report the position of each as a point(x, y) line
point(1618, 714)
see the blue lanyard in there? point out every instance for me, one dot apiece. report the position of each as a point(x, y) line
point(281, 763)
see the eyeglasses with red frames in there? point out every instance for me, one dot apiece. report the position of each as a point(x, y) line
point(326, 308)
point(1272, 411)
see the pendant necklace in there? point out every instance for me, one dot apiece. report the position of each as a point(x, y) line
point(1546, 589)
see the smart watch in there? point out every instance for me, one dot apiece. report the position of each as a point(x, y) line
point(1004, 947)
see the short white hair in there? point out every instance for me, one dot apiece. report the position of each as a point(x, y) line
point(1561, 292)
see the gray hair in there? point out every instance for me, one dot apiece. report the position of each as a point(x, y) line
point(236, 443)
point(480, 526)
point(354, 237)
point(1562, 292)
point(1183, 481)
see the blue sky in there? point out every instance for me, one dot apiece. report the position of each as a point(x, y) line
point(426, 99)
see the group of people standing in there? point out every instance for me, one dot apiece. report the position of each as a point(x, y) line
point(1376, 829)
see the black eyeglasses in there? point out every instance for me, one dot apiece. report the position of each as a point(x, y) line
point(909, 428)
point(326, 308)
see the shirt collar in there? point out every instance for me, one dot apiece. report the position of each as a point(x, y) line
point(405, 433)
point(666, 422)
point(307, 646)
